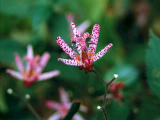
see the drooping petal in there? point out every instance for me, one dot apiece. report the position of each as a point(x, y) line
point(19, 63)
point(43, 61)
point(55, 116)
point(66, 48)
point(53, 105)
point(82, 27)
point(78, 117)
point(64, 97)
point(15, 74)
point(94, 38)
point(102, 52)
point(48, 75)
point(69, 62)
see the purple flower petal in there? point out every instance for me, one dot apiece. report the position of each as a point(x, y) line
point(15, 74)
point(43, 61)
point(19, 63)
point(55, 116)
point(64, 97)
point(48, 75)
point(82, 27)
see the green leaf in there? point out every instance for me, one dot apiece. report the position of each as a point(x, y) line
point(153, 64)
point(73, 110)
point(40, 14)
point(7, 50)
point(127, 73)
point(3, 106)
point(118, 111)
point(20, 8)
point(149, 110)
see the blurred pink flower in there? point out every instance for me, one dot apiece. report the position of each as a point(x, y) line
point(63, 107)
point(33, 69)
point(116, 90)
point(85, 56)
point(82, 27)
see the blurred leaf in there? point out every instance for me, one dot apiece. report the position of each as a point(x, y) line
point(127, 73)
point(73, 110)
point(40, 14)
point(149, 109)
point(21, 8)
point(153, 64)
point(3, 106)
point(7, 50)
point(118, 111)
point(93, 9)
point(61, 28)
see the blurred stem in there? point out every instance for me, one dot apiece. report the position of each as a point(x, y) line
point(105, 93)
point(29, 106)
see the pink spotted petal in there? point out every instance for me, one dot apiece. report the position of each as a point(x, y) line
point(74, 29)
point(48, 75)
point(102, 52)
point(81, 28)
point(69, 62)
point(19, 63)
point(53, 105)
point(55, 116)
point(43, 61)
point(86, 35)
point(64, 97)
point(94, 38)
point(66, 48)
point(15, 74)
point(78, 117)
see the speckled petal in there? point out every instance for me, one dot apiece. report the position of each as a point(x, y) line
point(94, 39)
point(69, 62)
point(66, 48)
point(102, 52)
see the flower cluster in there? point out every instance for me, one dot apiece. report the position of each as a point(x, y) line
point(63, 107)
point(33, 69)
point(82, 55)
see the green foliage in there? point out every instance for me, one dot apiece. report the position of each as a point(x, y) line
point(118, 111)
point(7, 56)
point(153, 64)
point(126, 73)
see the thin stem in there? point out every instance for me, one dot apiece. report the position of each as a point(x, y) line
point(104, 113)
point(33, 110)
point(29, 106)
point(105, 94)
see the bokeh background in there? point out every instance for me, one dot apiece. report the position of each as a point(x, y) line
point(133, 26)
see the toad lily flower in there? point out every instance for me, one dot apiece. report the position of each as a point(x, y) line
point(116, 90)
point(63, 108)
point(85, 56)
point(33, 69)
